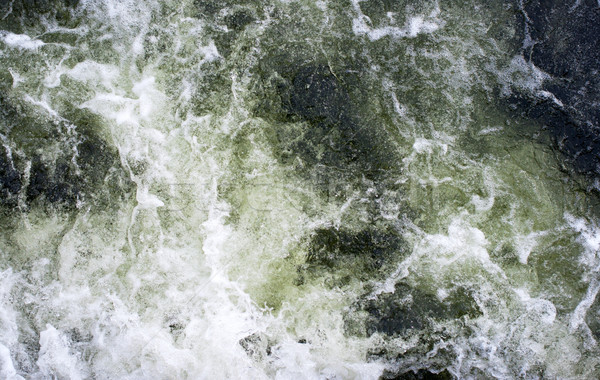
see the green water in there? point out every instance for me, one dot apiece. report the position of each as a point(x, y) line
point(284, 189)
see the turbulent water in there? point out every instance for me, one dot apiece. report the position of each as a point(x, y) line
point(286, 189)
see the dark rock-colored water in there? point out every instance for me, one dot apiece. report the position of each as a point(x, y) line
point(10, 180)
point(366, 250)
point(56, 184)
point(592, 317)
point(20, 14)
point(563, 39)
point(409, 308)
point(256, 346)
point(421, 374)
point(53, 167)
point(318, 129)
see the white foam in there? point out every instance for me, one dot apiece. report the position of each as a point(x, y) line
point(7, 368)
point(414, 26)
point(210, 52)
point(489, 130)
point(524, 244)
point(44, 104)
point(542, 309)
point(93, 72)
point(523, 75)
point(577, 319)
point(442, 294)
point(148, 97)
point(589, 238)
point(55, 358)
point(485, 204)
point(462, 241)
point(147, 200)
point(399, 108)
point(20, 41)
point(17, 78)
point(548, 95)
point(9, 329)
point(423, 145)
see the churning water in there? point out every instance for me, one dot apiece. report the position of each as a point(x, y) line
point(286, 189)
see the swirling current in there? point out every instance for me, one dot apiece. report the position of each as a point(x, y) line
point(299, 189)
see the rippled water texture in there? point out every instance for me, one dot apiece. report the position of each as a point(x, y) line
point(356, 189)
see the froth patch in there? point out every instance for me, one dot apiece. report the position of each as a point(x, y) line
point(7, 368)
point(525, 244)
point(93, 72)
point(589, 239)
point(20, 41)
point(524, 76)
point(414, 26)
point(463, 249)
point(55, 358)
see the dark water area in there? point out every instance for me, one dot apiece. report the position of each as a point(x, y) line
point(563, 40)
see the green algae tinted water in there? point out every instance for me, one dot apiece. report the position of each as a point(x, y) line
point(285, 189)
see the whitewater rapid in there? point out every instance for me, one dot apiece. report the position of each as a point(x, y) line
point(285, 190)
